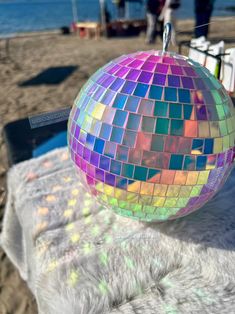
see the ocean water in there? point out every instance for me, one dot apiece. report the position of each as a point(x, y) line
point(33, 15)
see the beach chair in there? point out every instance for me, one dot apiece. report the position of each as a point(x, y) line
point(195, 43)
point(228, 71)
point(197, 48)
point(213, 64)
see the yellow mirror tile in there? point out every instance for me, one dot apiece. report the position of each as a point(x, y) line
point(147, 188)
point(158, 201)
point(160, 189)
point(192, 178)
point(203, 177)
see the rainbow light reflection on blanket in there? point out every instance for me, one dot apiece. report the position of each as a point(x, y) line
point(153, 134)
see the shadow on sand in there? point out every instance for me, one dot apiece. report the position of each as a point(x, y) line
point(50, 76)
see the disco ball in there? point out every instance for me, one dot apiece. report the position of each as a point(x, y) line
point(153, 135)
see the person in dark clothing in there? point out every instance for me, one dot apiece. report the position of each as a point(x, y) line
point(203, 11)
point(120, 5)
point(154, 8)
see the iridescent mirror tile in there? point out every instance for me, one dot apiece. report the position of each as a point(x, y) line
point(146, 107)
point(148, 66)
point(145, 77)
point(173, 81)
point(136, 64)
point(187, 82)
point(128, 87)
point(177, 70)
point(141, 90)
point(133, 75)
point(117, 84)
point(189, 71)
point(201, 112)
point(161, 68)
point(159, 79)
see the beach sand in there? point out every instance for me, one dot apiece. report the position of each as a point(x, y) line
point(30, 56)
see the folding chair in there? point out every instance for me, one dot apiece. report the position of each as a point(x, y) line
point(213, 64)
point(197, 48)
point(228, 71)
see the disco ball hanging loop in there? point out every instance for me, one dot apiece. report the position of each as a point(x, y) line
point(166, 36)
point(152, 133)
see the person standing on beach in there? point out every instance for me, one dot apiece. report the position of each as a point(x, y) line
point(203, 11)
point(168, 16)
point(120, 4)
point(154, 8)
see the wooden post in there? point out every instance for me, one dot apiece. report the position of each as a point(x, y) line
point(103, 17)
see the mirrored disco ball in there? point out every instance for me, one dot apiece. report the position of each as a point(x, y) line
point(153, 135)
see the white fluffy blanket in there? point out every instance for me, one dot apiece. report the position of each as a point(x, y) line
point(78, 257)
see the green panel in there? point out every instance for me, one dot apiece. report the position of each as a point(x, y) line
point(177, 127)
point(148, 124)
point(220, 112)
point(223, 128)
point(182, 202)
point(216, 97)
point(161, 109)
point(157, 143)
point(148, 209)
point(140, 173)
point(187, 111)
point(176, 162)
point(175, 111)
point(127, 170)
point(162, 126)
point(196, 190)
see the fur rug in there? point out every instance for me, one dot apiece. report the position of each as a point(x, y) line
point(80, 258)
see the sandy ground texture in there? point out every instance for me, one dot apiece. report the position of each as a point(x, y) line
point(30, 56)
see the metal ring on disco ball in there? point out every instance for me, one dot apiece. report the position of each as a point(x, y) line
point(152, 134)
point(166, 36)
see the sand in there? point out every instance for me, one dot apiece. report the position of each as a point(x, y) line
point(31, 55)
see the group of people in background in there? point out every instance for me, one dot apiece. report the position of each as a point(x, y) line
point(160, 12)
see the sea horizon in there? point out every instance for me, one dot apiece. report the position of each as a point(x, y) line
point(20, 16)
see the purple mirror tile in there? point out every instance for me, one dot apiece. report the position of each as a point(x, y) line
point(154, 59)
point(168, 60)
point(220, 160)
point(126, 61)
point(177, 70)
point(199, 84)
point(114, 69)
point(145, 77)
point(136, 64)
point(122, 72)
point(117, 84)
point(133, 74)
point(187, 82)
point(99, 174)
point(110, 179)
point(189, 71)
point(159, 79)
point(201, 112)
point(109, 80)
point(161, 68)
point(173, 81)
point(128, 87)
point(148, 66)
